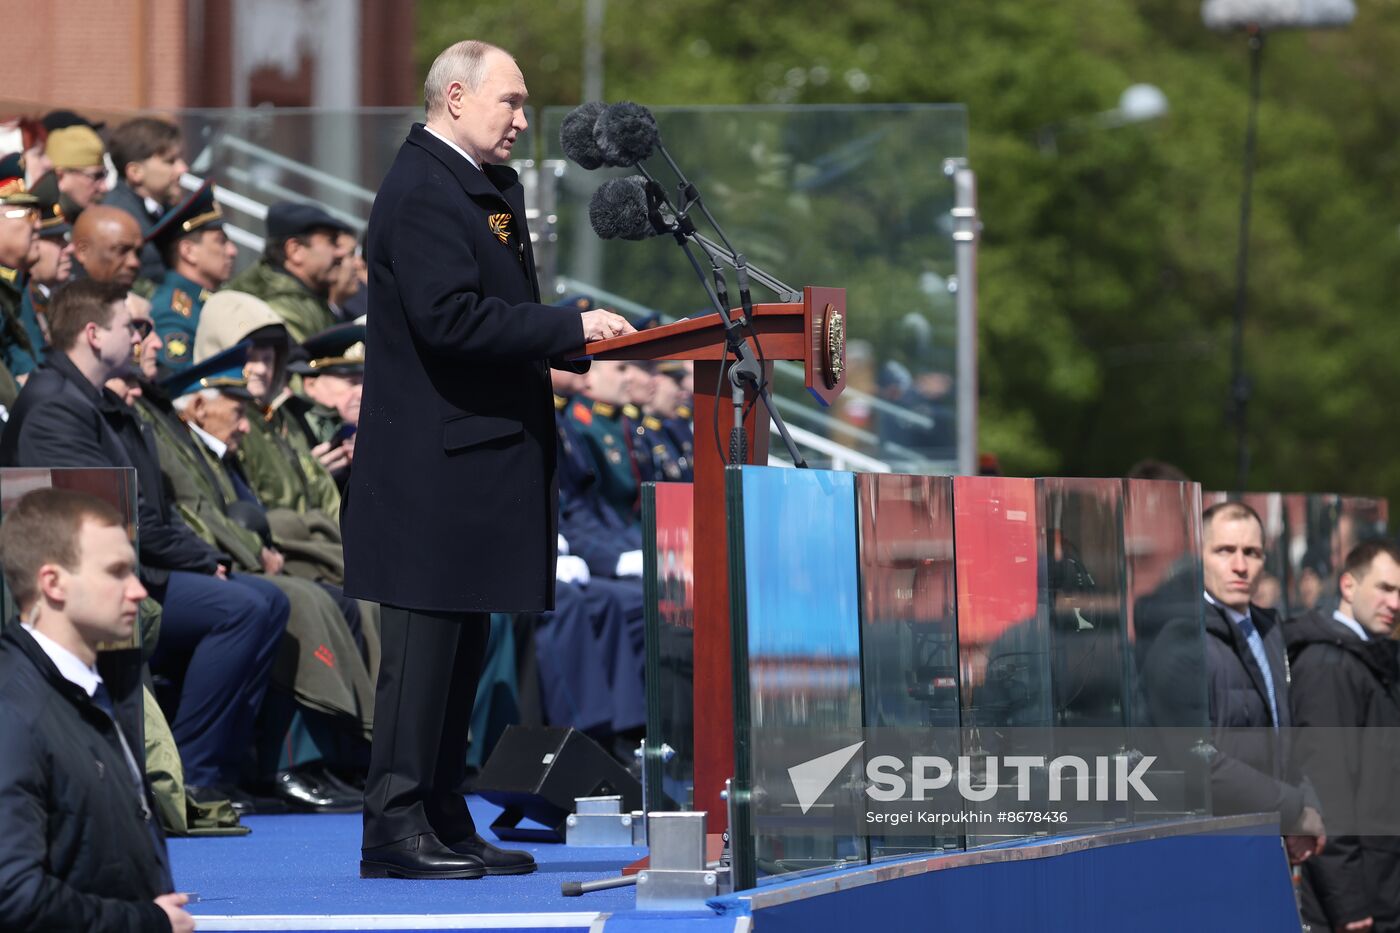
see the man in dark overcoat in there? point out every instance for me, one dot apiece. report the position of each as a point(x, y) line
point(449, 513)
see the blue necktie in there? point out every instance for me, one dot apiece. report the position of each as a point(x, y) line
point(1256, 647)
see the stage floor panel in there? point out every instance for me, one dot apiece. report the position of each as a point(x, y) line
point(307, 866)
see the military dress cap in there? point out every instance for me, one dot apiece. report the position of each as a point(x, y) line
point(53, 222)
point(74, 147)
point(336, 351)
point(222, 371)
point(199, 211)
point(12, 188)
point(287, 219)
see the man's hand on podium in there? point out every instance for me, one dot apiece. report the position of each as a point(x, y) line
point(601, 324)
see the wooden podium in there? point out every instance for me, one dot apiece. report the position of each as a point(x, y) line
point(812, 331)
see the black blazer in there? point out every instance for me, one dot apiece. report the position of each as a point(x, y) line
point(452, 499)
point(62, 420)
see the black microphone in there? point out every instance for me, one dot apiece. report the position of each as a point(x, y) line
point(620, 210)
point(576, 135)
point(626, 133)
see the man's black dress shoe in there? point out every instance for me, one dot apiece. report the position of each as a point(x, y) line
point(419, 857)
point(303, 792)
point(242, 802)
point(497, 861)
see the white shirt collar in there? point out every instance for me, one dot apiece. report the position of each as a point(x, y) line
point(210, 441)
point(154, 207)
point(455, 148)
point(1233, 615)
point(69, 665)
point(1352, 624)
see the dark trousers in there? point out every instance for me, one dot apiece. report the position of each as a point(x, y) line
point(429, 666)
point(219, 637)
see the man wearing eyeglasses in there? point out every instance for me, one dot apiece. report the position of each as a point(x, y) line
point(79, 176)
point(19, 213)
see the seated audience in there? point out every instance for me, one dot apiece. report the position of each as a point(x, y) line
point(219, 631)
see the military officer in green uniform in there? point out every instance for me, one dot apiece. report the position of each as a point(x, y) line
point(51, 266)
point(198, 257)
point(300, 262)
point(599, 419)
point(19, 215)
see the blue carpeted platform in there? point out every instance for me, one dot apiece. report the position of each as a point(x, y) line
point(309, 865)
point(302, 873)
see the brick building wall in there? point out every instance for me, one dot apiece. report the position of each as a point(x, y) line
point(109, 57)
point(97, 55)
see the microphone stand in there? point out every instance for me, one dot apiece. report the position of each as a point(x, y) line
point(746, 372)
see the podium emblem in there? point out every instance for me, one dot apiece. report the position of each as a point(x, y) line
point(833, 346)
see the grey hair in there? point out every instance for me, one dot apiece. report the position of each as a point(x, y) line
point(181, 402)
point(463, 61)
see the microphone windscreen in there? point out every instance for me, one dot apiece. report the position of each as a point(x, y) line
point(576, 135)
point(626, 134)
point(1272, 15)
point(618, 210)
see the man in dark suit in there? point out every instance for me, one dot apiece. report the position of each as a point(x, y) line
point(1247, 667)
point(449, 513)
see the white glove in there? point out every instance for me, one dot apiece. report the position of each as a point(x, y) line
point(563, 545)
point(570, 569)
point(629, 564)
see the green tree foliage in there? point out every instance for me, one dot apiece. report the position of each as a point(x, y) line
point(1108, 264)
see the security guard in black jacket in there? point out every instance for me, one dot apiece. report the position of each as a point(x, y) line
point(79, 847)
point(1346, 687)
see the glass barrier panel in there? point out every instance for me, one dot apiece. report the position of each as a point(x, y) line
point(669, 584)
point(909, 632)
point(1169, 711)
point(795, 595)
point(1003, 626)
